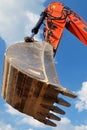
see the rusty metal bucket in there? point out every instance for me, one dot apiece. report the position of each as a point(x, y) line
point(30, 83)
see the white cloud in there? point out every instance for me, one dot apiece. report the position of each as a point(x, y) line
point(30, 129)
point(16, 15)
point(31, 121)
point(65, 121)
point(65, 124)
point(11, 110)
point(82, 127)
point(81, 103)
point(4, 126)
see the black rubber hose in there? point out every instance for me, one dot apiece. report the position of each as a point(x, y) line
point(39, 23)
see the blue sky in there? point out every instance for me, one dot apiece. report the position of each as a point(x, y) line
point(17, 18)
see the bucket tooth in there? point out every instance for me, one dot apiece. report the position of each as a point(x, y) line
point(58, 110)
point(48, 122)
point(54, 109)
point(62, 102)
point(66, 92)
point(53, 117)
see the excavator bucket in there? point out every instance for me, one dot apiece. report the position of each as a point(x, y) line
point(30, 83)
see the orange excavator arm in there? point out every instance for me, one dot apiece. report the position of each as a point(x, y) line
point(77, 26)
point(57, 17)
point(62, 16)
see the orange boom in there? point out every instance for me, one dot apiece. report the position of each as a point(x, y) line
point(58, 16)
point(55, 23)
